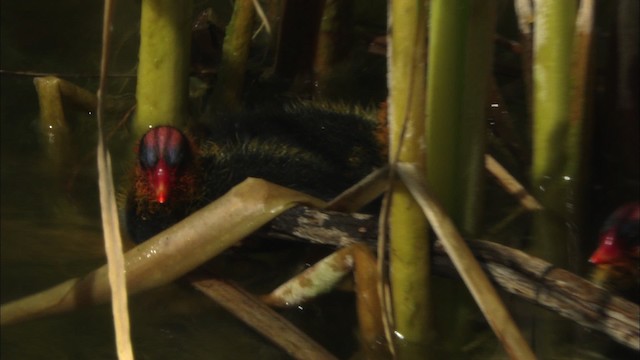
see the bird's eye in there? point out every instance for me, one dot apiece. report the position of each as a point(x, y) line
point(148, 153)
point(176, 150)
point(174, 156)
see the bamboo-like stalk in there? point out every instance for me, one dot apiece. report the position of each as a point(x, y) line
point(409, 249)
point(227, 93)
point(53, 124)
point(552, 185)
point(333, 36)
point(450, 143)
point(162, 87)
point(477, 74)
point(552, 158)
point(298, 29)
point(580, 129)
point(524, 12)
point(468, 267)
point(445, 88)
point(460, 58)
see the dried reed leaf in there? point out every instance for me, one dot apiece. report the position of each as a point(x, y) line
point(511, 184)
point(109, 211)
point(172, 253)
point(262, 16)
point(362, 193)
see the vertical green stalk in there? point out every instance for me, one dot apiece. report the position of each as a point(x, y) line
point(445, 88)
point(53, 124)
point(459, 68)
point(227, 93)
point(164, 63)
point(333, 37)
point(580, 124)
point(552, 184)
point(524, 12)
point(477, 75)
point(555, 154)
point(460, 58)
point(409, 252)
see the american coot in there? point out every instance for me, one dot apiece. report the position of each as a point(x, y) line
point(310, 149)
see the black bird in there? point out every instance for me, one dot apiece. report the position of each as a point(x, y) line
point(312, 149)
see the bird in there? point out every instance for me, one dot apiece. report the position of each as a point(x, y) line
point(617, 257)
point(317, 149)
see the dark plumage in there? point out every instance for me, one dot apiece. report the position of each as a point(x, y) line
point(314, 150)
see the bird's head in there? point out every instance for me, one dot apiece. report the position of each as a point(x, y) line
point(165, 159)
point(619, 237)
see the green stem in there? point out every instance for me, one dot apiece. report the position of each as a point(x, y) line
point(445, 87)
point(333, 38)
point(227, 94)
point(477, 75)
point(163, 67)
point(554, 154)
point(459, 67)
point(409, 253)
point(552, 185)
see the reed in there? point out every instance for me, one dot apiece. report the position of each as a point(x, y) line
point(407, 228)
point(459, 67)
point(561, 62)
point(235, 53)
point(163, 66)
point(552, 184)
